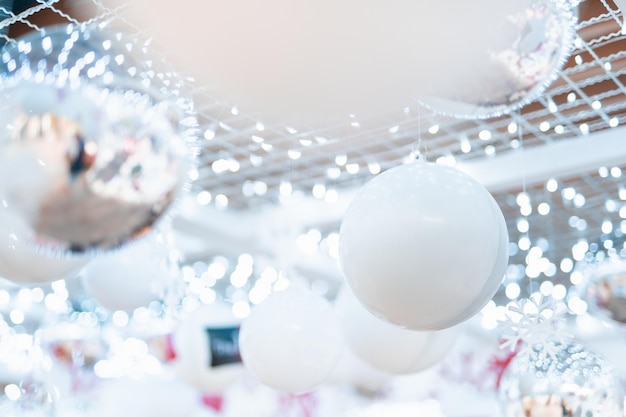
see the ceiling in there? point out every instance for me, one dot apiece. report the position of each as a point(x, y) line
point(259, 186)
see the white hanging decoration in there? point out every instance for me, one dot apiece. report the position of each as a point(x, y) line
point(535, 324)
point(423, 246)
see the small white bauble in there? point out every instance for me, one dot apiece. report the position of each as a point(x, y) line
point(206, 344)
point(387, 347)
point(128, 278)
point(292, 341)
point(354, 371)
point(423, 246)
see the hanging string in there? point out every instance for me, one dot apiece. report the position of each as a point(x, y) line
point(520, 138)
point(418, 150)
point(532, 286)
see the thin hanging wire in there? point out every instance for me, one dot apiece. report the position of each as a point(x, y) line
point(532, 284)
point(418, 150)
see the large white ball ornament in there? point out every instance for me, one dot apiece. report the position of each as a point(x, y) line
point(387, 347)
point(206, 344)
point(423, 246)
point(314, 63)
point(292, 341)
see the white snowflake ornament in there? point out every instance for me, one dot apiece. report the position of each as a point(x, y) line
point(535, 326)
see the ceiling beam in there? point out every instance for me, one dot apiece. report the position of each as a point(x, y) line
point(273, 230)
point(560, 159)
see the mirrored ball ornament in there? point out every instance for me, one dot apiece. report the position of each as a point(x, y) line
point(510, 56)
point(604, 289)
point(574, 382)
point(95, 143)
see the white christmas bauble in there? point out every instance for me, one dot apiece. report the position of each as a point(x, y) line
point(128, 278)
point(313, 64)
point(354, 371)
point(206, 344)
point(387, 347)
point(292, 341)
point(423, 246)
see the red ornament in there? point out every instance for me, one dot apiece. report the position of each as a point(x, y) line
point(213, 401)
point(498, 364)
